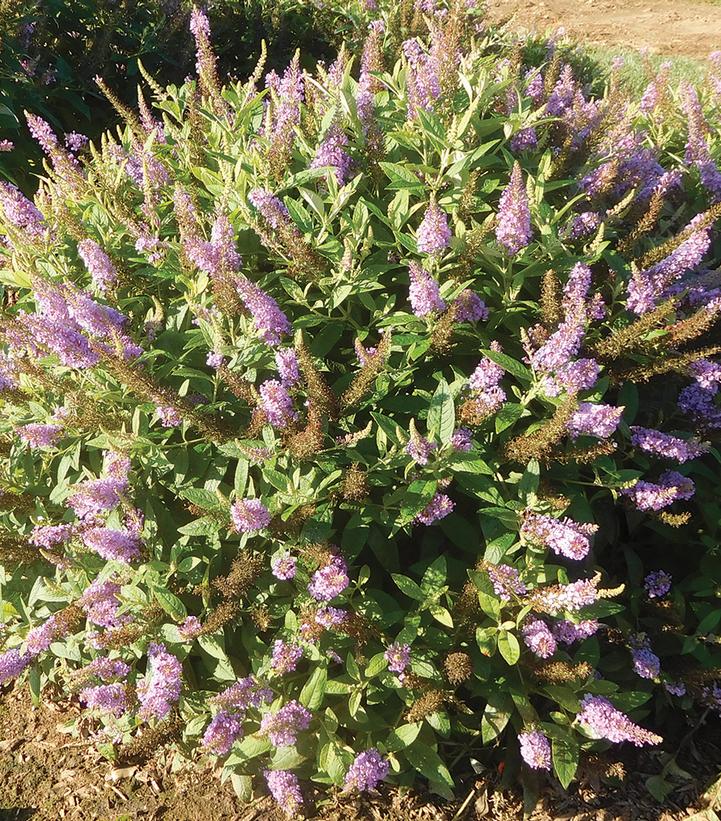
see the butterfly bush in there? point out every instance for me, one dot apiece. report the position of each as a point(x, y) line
point(331, 450)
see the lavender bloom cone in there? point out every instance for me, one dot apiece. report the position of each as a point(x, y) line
point(513, 228)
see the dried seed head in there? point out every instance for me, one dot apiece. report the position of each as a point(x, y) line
point(430, 702)
point(355, 484)
point(458, 667)
point(562, 672)
point(244, 570)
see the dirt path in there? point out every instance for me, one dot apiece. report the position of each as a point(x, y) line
point(668, 27)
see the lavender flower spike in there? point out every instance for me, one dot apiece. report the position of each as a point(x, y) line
point(535, 750)
point(285, 789)
point(433, 235)
point(513, 229)
point(602, 720)
point(160, 688)
point(365, 773)
point(424, 292)
point(98, 263)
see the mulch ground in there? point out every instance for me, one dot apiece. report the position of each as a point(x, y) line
point(50, 772)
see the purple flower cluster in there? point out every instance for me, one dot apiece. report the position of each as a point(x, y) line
point(21, 212)
point(573, 377)
point(100, 602)
point(487, 374)
point(538, 638)
point(112, 545)
point(249, 515)
point(12, 664)
point(470, 307)
point(419, 448)
point(330, 617)
point(602, 720)
point(329, 581)
point(285, 789)
point(169, 416)
point(270, 207)
point(433, 235)
point(398, 657)
point(438, 508)
point(646, 287)
point(646, 663)
point(66, 321)
point(190, 628)
point(332, 152)
point(244, 694)
point(282, 728)
point(524, 140)
point(219, 255)
point(288, 92)
point(285, 657)
point(424, 292)
point(571, 597)
point(284, 566)
point(222, 732)
point(276, 403)
point(597, 420)
point(269, 321)
point(535, 750)
point(513, 227)
point(563, 536)
point(423, 85)
point(106, 698)
point(107, 669)
point(40, 436)
point(583, 225)
point(462, 440)
point(368, 769)
point(287, 363)
point(568, 632)
point(160, 688)
point(487, 394)
point(663, 444)
point(96, 496)
point(99, 265)
point(506, 581)
point(657, 584)
point(671, 487)
point(48, 536)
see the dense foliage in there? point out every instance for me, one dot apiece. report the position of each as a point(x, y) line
point(51, 52)
point(359, 424)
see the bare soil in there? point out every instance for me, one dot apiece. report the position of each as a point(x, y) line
point(48, 773)
point(668, 27)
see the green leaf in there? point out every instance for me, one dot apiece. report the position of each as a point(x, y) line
point(564, 752)
point(509, 647)
point(250, 747)
point(401, 177)
point(509, 364)
point(435, 576)
point(375, 665)
point(427, 761)
point(441, 615)
point(311, 696)
point(442, 413)
point(508, 415)
point(402, 736)
point(487, 597)
point(408, 586)
point(494, 722)
point(172, 605)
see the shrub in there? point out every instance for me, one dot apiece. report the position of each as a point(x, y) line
point(354, 427)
